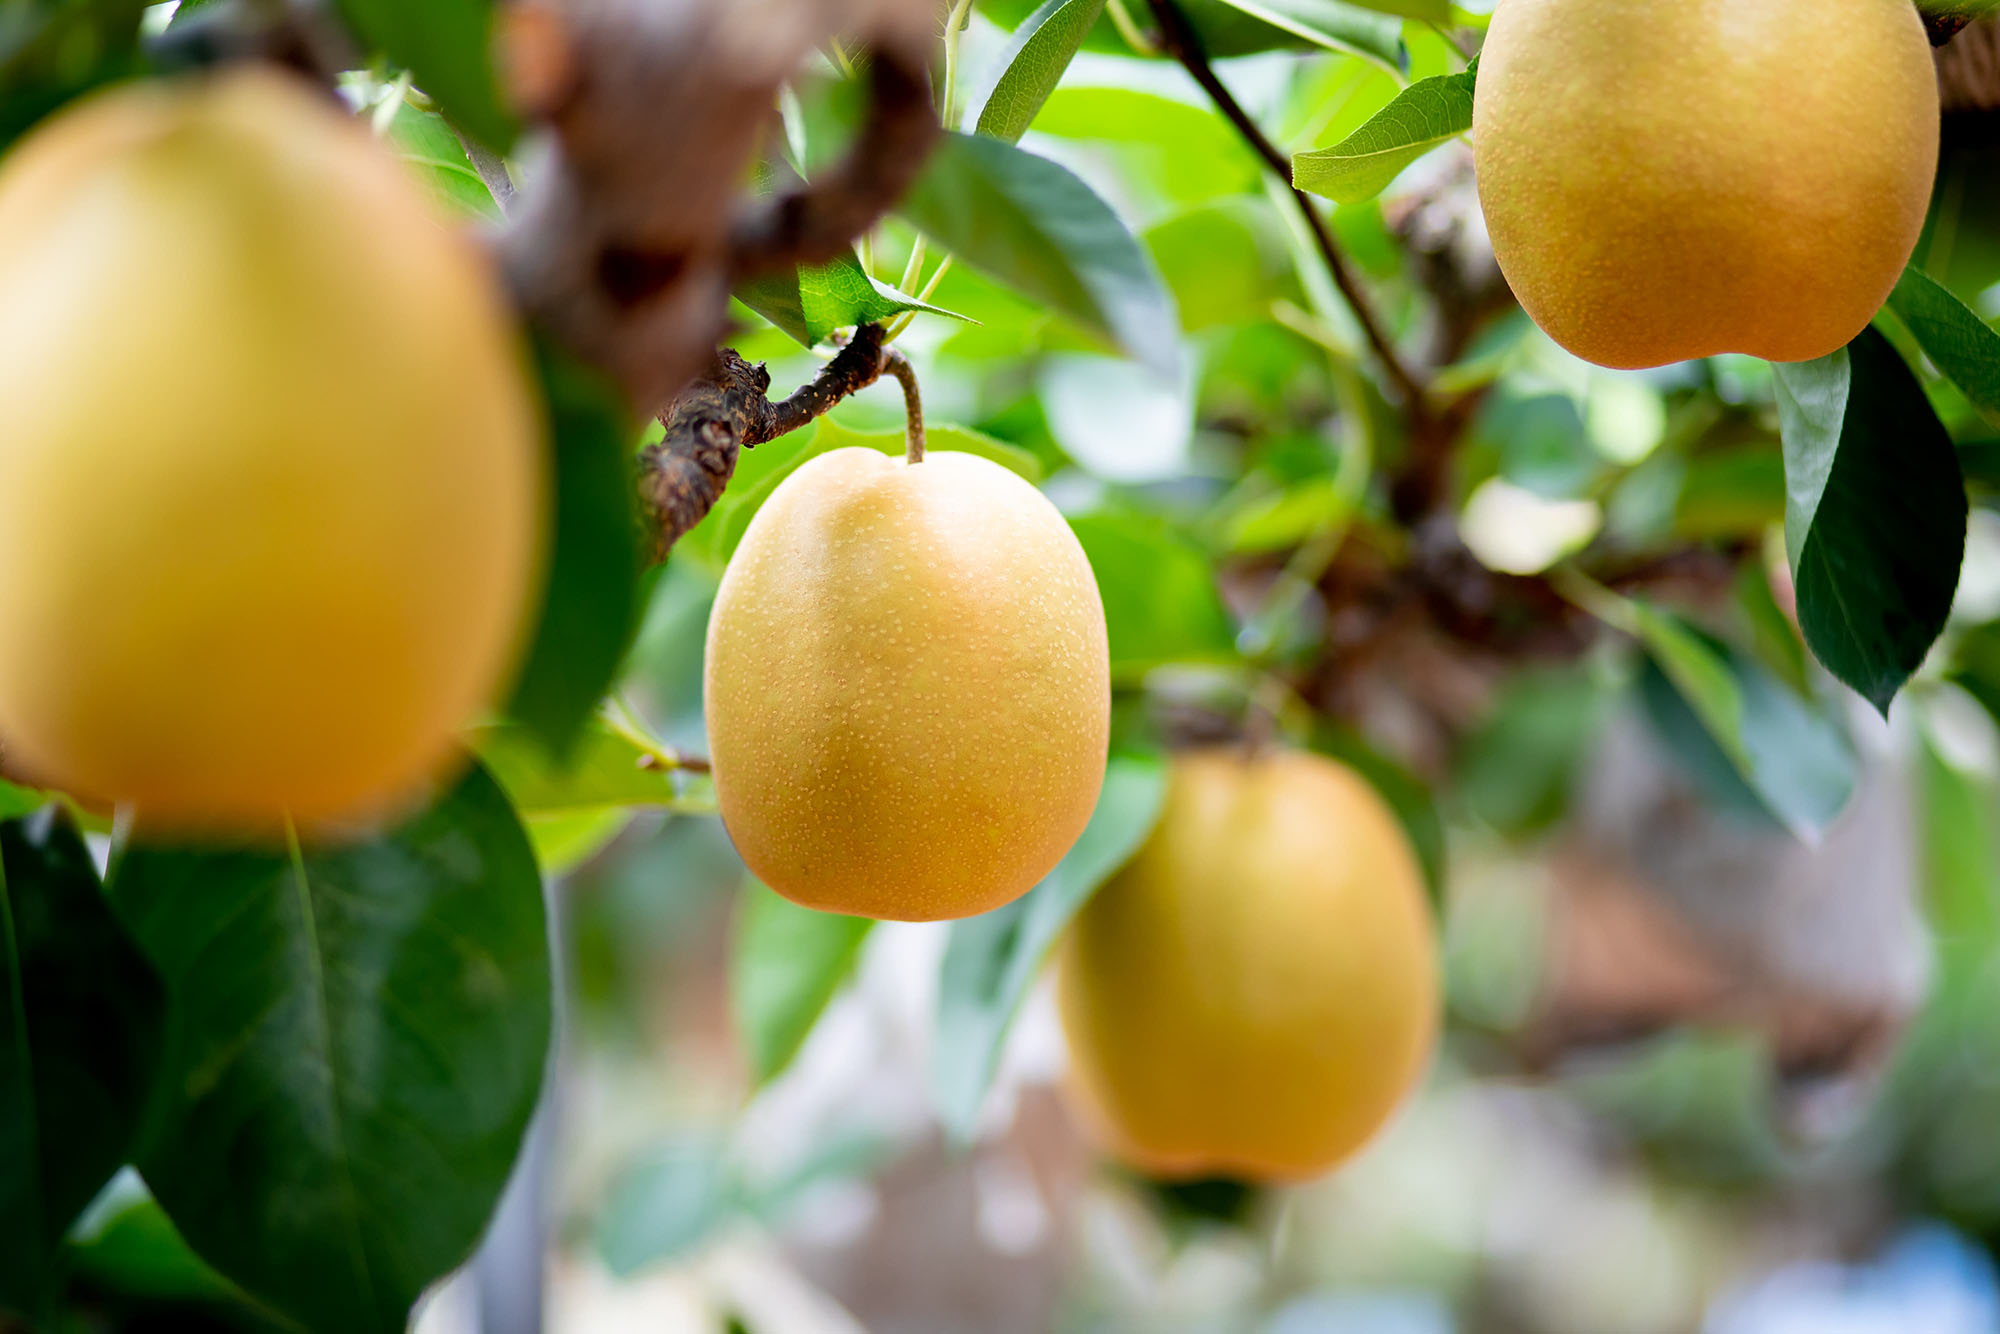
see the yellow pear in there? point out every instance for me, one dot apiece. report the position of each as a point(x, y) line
point(908, 687)
point(271, 475)
point(1670, 179)
point(1257, 990)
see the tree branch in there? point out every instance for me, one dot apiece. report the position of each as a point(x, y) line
point(728, 409)
point(1179, 40)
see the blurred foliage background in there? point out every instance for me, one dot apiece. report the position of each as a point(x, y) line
point(1724, 1046)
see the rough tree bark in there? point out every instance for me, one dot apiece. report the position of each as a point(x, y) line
point(626, 239)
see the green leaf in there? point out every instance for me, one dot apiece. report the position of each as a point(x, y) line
point(18, 800)
point(787, 964)
point(1961, 868)
point(1792, 756)
point(993, 959)
point(759, 471)
point(810, 303)
point(1031, 224)
point(79, 1042)
point(666, 1204)
point(590, 607)
point(125, 1243)
point(1422, 116)
point(448, 46)
point(606, 765)
point(356, 1040)
point(1875, 513)
point(1517, 770)
point(1161, 604)
point(54, 50)
point(1965, 347)
point(425, 140)
point(1033, 64)
point(1339, 26)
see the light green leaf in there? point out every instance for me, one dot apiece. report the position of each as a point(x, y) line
point(1161, 604)
point(1965, 347)
point(1336, 25)
point(993, 959)
point(425, 140)
point(1359, 167)
point(1033, 64)
point(606, 766)
point(448, 46)
point(810, 303)
point(787, 963)
point(1031, 224)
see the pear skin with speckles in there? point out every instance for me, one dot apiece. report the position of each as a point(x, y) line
point(1256, 992)
point(908, 687)
point(1670, 179)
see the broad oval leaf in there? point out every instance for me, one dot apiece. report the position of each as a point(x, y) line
point(1422, 116)
point(1965, 347)
point(590, 606)
point(993, 959)
point(810, 303)
point(1791, 757)
point(787, 963)
point(80, 1017)
point(1161, 604)
point(1033, 64)
point(356, 1039)
point(1875, 513)
point(1031, 224)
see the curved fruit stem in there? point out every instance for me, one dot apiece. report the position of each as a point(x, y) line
point(896, 364)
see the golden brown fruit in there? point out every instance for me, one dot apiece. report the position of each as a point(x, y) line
point(271, 476)
point(1670, 179)
point(908, 687)
point(1254, 994)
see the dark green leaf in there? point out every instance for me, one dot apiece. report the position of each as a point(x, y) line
point(1965, 347)
point(1792, 755)
point(810, 303)
point(590, 607)
point(1875, 513)
point(1032, 225)
point(53, 50)
point(79, 1042)
point(993, 959)
point(448, 46)
point(1976, 665)
point(126, 1244)
point(355, 1043)
point(1033, 64)
point(788, 962)
point(1422, 116)
point(1161, 604)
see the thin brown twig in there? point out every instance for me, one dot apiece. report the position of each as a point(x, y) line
point(1179, 40)
point(728, 409)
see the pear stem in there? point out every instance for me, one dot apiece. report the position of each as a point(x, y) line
point(896, 364)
